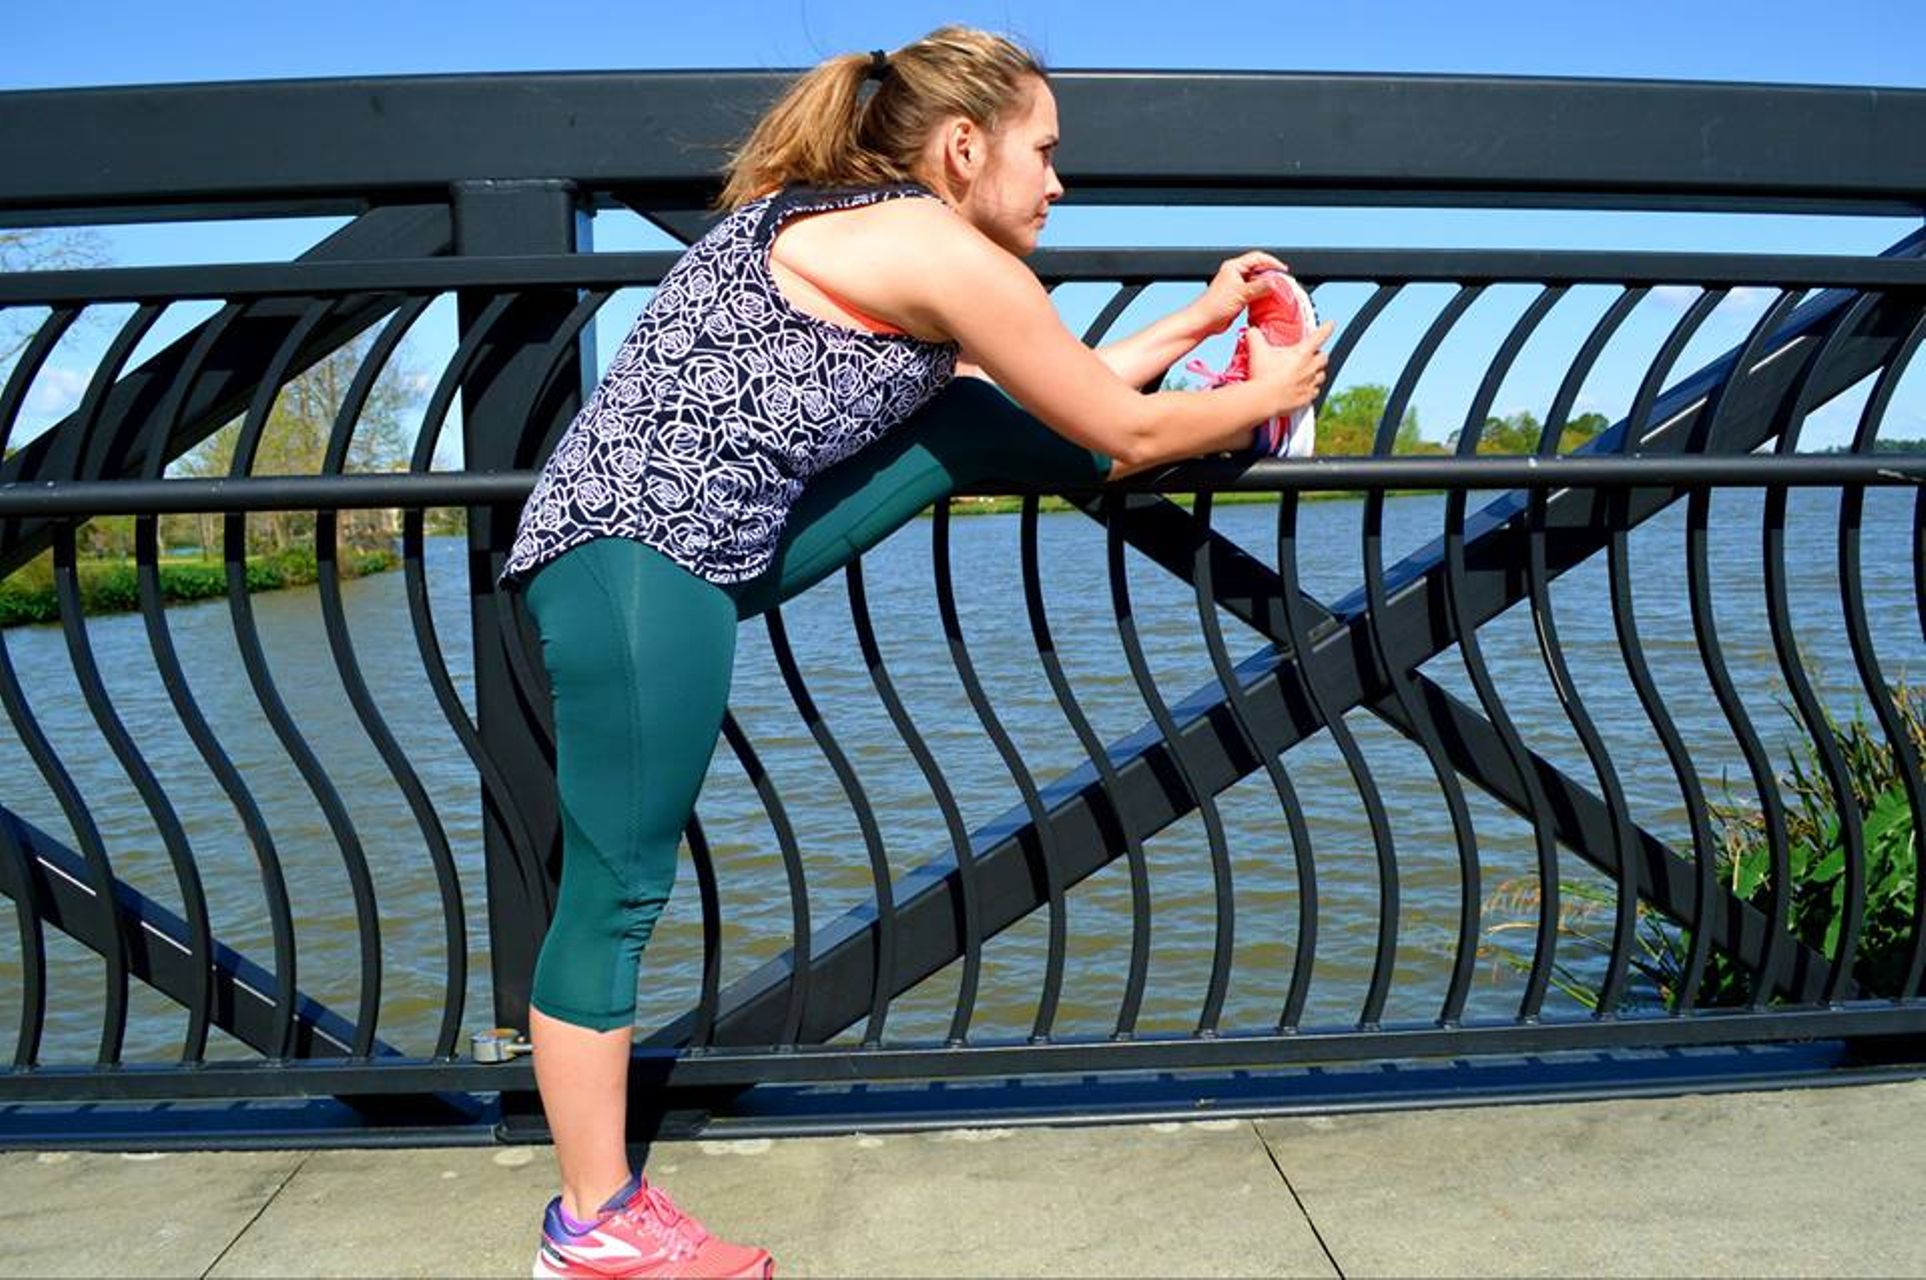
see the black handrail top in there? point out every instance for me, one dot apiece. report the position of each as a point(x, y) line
point(659, 137)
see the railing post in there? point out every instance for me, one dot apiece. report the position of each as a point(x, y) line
point(502, 425)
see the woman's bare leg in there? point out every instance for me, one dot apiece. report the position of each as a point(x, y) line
point(583, 1077)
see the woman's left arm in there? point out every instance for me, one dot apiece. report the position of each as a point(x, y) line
point(1146, 354)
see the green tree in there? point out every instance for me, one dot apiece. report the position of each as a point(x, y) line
point(35, 249)
point(1521, 432)
point(1584, 429)
point(1347, 424)
point(294, 441)
point(107, 536)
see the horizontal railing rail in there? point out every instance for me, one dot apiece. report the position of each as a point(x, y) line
point(375, 491)
point(298, 280)
point(741, 1069)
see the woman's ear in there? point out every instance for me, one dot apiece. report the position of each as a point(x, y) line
point(963, 146)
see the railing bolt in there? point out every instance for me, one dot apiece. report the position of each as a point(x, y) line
point(499, 1044)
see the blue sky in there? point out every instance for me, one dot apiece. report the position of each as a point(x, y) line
point(1841, 42)
point(1844, 42)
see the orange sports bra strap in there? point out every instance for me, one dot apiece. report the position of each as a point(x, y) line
point(856, 313)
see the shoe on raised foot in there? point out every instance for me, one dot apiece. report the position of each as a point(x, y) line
point(641, 1232)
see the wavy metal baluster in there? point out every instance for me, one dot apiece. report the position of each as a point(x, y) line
point(497, 797)
point(1138, 975)
point(1225, 918)
point(147, 557)
point(1263, 748)
point(1630, 647)
point(703, 1033)
point(945, 802)
point(1295, 682)
point(33, 946)
point(25, 369)
point(1471, 649)
point(1852, 590)
point(1138, 972)
point(1785, 645)
point(153, 608)
point(1712, 657)
point(879, 872)
point(792, 866)
point(347, 665)
point(1397, 673)
point(67, 460)
point(1111, 311)
point(1347, 747)
point(1353, 333)
point(354, 859)
point(1026, 786)
point(1302, 644)
point(1624, 835)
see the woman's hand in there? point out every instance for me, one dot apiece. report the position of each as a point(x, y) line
point(1231, 290)
point(1296, 372)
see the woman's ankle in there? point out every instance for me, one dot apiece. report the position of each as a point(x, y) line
point(584, 1201)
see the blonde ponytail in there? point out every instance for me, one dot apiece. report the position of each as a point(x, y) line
point(824, 131)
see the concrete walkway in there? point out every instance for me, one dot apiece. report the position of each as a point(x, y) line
point(1814, 1182)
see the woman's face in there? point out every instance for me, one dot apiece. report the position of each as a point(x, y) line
point(1015, 182)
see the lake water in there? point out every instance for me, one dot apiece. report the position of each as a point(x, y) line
point(755, 899)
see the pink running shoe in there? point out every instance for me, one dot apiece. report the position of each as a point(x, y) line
point(642, 1233)
point(1284, 314)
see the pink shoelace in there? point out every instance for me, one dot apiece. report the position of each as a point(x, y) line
point(655, 1212)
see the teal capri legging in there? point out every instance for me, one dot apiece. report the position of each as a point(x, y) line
point(639, 654)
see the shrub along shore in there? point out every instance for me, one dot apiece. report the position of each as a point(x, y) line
point(113, 585)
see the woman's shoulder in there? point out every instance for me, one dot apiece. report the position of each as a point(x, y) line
point(874, 215)
point(800, 198)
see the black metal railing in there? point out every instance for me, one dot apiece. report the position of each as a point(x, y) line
point(1296, 862)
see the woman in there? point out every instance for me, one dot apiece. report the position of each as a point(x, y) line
point(749, 438)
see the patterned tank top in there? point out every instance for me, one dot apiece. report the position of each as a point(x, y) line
point(720, 403)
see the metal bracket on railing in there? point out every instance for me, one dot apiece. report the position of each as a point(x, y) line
point(499, 1044)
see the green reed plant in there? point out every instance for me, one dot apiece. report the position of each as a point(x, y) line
point(1816, 866)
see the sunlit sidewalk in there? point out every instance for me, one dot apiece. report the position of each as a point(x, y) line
point(1795, 1182)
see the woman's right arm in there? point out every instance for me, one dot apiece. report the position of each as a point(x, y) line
point(949, 279)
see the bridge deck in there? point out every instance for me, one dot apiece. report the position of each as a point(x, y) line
point(1793, 1182)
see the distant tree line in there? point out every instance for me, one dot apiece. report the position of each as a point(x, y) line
point(1349, 420)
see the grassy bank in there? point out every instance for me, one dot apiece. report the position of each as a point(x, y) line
point(113, 586)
